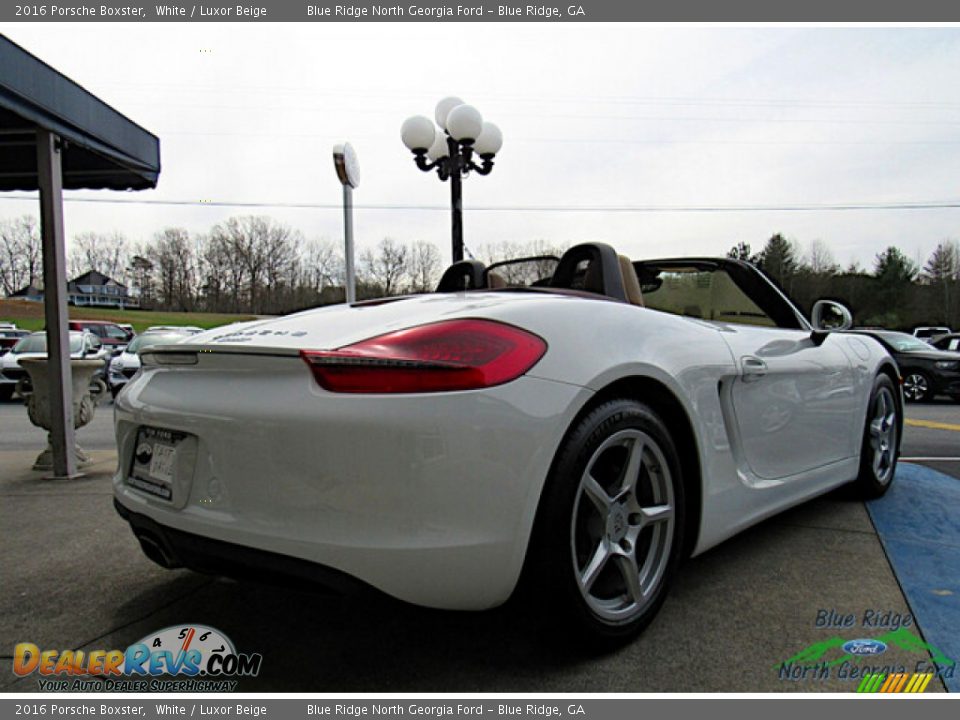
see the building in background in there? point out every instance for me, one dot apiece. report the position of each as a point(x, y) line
point(92, 289)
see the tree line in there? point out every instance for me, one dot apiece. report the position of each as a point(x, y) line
point(249, 264)
point(896, 293)
point(254, 264)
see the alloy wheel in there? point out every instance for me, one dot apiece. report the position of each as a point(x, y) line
point(915, 387)
point(623, 526)
point(883, 435)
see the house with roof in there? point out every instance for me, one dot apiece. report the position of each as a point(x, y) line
point(92, 289)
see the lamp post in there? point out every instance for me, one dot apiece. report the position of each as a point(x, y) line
point(348, 172)
point(450, 150)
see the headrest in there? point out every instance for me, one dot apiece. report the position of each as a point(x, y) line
point(603, 275)
point(463, 275)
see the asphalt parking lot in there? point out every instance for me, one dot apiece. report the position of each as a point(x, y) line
point(76, 578)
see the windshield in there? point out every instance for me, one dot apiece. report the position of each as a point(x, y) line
point(142, 342)
point(37, 343)
point(905, 343)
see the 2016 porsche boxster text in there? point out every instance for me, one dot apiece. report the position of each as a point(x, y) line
point(581, 424)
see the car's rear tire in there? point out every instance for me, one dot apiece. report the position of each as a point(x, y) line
point(916, 386)
point(6, 392)
point(881, 435)
point(609, 533)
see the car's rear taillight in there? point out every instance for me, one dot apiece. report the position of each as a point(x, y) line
point(443, 356)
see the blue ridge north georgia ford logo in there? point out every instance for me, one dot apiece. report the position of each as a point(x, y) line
point(864, 646)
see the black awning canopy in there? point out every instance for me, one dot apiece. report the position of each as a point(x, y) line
point(103, 149)
point(56, 135)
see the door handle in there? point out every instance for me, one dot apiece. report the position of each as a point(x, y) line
point(752, 368)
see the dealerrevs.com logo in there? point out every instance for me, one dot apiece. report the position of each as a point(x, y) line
point(198, 658)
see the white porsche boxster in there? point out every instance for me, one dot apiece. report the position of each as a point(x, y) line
point(580, 425)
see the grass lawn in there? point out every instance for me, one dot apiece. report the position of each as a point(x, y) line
point(29, 316)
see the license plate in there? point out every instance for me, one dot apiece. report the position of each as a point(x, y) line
point(154, 466)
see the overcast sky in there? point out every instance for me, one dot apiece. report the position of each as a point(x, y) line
point(592, 115)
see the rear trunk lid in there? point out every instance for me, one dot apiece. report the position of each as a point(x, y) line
point(338, 325)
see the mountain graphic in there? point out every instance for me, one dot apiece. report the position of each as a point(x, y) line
point(901, 638)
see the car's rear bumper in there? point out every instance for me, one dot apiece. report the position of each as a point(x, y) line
point(175, 548)
point(430, 499)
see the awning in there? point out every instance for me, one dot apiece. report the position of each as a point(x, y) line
point(103, 149)
point(54, 135)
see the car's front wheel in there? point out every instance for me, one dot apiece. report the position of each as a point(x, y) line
point(880, 445)
point(610, 530)
point(916, 386)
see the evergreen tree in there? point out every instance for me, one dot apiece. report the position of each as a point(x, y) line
point(778, 259)
point(893, 274)
point(942, 273)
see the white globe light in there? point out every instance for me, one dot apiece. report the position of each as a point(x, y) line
point(490, 140)
point(439, 148)
point(464, 123)
point(443, 109)
point(417, 132)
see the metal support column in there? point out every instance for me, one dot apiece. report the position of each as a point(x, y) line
point(55, 304)
point(456, 208)
point(351, 283)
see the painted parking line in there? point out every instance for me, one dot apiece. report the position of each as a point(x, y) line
point(932, 424)
point(930, 459)
point(919, 527)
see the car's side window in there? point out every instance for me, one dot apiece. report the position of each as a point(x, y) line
point(705, 293)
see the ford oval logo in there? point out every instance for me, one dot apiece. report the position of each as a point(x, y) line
point(864, 646)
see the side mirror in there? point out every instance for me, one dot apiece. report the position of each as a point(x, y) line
point(828, 315)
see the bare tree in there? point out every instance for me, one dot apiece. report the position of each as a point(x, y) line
point(281, 264)
point(103, 252)
point(387, 267)
point(820, 260)
point(215, 273)
point(20, 253)
point(322, 265)
point(172, 257)
point(527, 272)
point(423, 268)
point(942, 271)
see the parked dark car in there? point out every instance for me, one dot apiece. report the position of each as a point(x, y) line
point(926, 371)
point(950, 341)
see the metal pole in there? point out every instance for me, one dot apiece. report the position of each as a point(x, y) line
point(351, 286)
point(456, 206)
point(55, 305)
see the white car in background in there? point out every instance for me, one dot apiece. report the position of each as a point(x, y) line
point(83, 344)
point(127, 364)
point(581, 434)
point(927, 333)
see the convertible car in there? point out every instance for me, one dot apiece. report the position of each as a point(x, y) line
point(575, 426)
